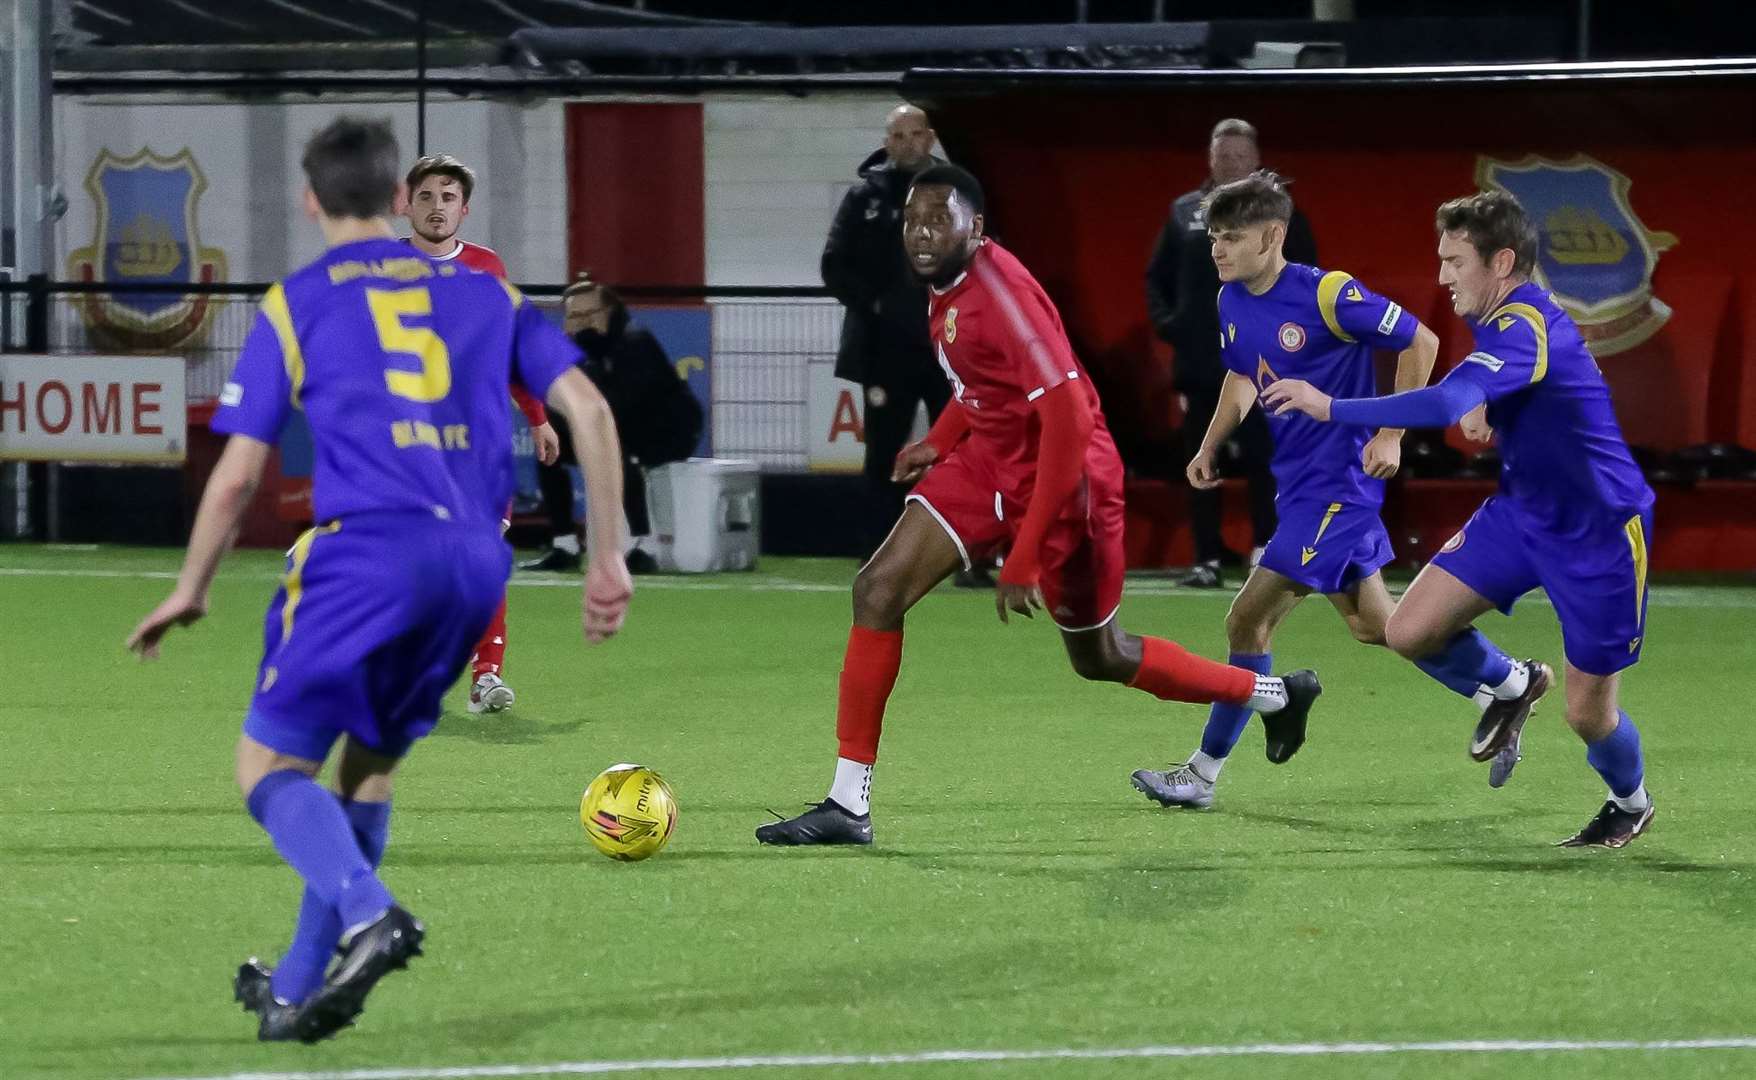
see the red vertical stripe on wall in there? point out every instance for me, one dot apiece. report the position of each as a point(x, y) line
point(635, 204)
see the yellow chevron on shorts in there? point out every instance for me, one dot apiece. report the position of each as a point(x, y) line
point(1309, 553)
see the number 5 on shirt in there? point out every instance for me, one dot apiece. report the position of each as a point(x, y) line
point(389, 306)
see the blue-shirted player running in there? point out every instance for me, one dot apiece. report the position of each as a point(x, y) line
point(1285, 320)
point(1572, 515)
point(401, 366)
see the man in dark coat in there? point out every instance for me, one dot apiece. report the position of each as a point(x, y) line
point(656, 415)
point(1181, 284)
point(884, 342)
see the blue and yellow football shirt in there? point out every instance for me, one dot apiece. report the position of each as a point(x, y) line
point(1563, 459)
point(401, 366)
point(1320, 327)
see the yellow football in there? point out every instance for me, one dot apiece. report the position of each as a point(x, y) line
point(628, 812)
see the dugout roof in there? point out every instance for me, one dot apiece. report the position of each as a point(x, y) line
point(538, 41)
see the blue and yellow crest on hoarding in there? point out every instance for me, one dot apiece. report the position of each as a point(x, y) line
point(146, 234)
point(1595, 255)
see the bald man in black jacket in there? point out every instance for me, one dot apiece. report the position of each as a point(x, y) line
point(884, 342)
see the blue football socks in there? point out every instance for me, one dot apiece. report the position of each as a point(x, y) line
point(1617, 758)
point(1226, 723)
point(314, 836)
point(1468, 662)
point(300, 971)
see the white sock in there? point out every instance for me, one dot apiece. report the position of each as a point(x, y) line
point(568, 543)
point(1270, 695)
point(852, 788)
point(1205, 766)
point(1635, 803)
point(1516, 683)
point(1484, 697)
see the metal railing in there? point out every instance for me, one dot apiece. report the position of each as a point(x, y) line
point(766, 344)
point(764, 356)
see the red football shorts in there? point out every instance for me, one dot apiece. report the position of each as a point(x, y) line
point(1082, 558)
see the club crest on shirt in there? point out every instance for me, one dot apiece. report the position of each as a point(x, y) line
point(951, 326)
point(1593, 252)
point(1292, 336)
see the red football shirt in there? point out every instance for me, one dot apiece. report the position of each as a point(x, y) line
point(477, 257)
point(1002, 345)
point(484, 260)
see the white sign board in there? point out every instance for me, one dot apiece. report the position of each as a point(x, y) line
point(835, 421)
point(92, 408)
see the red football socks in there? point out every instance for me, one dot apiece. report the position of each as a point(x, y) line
point(867, 674)
point(1172, 673)
point(491, 650)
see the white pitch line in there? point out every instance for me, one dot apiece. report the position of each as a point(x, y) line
point(29, 571)
point(1734, 597)
point(545, 582)
point(928, 1057)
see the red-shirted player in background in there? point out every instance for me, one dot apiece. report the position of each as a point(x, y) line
point(439, 191)
point(1020, 459)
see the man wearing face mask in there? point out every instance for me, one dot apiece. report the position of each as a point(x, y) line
point(656, 415)
point(884, 343)
point(1181, 283)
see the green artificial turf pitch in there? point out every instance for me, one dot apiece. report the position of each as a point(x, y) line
point(1020, 897)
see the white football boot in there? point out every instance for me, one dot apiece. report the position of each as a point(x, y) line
point(1181, 786)
point(490, 694)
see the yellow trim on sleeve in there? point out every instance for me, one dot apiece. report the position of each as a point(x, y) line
point(512, 292)
point(1538, 326)
point(1328, 292)
point(294, 583)
point(1637, 547)
point(274, 306)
